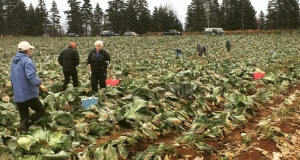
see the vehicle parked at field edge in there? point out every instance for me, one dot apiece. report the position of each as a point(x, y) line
point(214, 31)
point(171, 33)
point(108, 34)
point(72, 35)
point(129, 33)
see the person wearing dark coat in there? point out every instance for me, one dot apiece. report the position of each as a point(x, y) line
point(178, 53)
point(98, 61)
point(201, 50)
point(69, 60)
point(228, 46)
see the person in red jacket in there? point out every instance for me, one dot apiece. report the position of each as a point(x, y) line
point(69, 60)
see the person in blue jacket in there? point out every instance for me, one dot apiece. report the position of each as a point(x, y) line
point(26, 86)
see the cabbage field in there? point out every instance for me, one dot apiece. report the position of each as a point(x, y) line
point(164, 108)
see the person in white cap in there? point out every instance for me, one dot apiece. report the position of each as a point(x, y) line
point(26, 86)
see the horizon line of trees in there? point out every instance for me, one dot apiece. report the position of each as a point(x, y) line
point(134, 15)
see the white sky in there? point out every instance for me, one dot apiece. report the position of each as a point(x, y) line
point(179, 5)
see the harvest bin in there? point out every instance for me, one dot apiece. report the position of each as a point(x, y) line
point(258, 75)
point(87, 102)
point(112, 82)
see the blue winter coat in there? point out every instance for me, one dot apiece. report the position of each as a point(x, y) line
point(24, 79)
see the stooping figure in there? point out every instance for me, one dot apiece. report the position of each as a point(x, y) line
point(26, 86)
point(178, 53)
point(98, 61)
point(201, 50)
point(69, 60)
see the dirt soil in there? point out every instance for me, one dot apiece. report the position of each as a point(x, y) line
point(260, 148)
point(250, 155)
point(288, 126)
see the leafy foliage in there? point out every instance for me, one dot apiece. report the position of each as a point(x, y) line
point(158, 94)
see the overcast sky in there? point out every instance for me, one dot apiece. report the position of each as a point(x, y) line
point(179, 5)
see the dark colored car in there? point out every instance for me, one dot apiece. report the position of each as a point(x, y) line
point(171, 33)
point(108, 34)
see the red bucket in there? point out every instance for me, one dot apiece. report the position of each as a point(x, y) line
point(258, 75)
point(112, 82)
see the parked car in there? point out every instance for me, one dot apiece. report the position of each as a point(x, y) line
point(129, 33)
point(171, 33)
point(214, 31)
point(108, 34)
point(72, 35)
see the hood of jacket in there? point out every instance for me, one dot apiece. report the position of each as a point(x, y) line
point(19, 56)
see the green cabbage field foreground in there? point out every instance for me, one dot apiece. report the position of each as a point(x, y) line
point(192, 99)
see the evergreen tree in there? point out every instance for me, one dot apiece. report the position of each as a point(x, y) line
point(214, 13)
point(175, 22)
point(31, 21)
point(144, 17)
point(130, 16)
point(238, 15)
point(13, 14)
point(155, 27)
point(224, 15)
point(115, 14)
point(288, 13)
point(248, 13)
point(196, 19)
point(87, 15)
point(55, 17)
point(20, 15)
point(97, 20)
point(74, 17)
point(283, 14)
point(261, 21)
point(234, 18)
point(137, 16)
point(273, 14)
point(2, 20)
point(9, 17)
point(43, 22)
point(164, 19)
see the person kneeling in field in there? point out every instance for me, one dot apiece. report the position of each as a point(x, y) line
point(98, 61)
point(26, 86)
point(69, 60)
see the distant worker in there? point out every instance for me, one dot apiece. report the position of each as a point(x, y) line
point(228, 46)
point(69, 60)
point(98, 61)
point(178, 53)
point(26, 86)
point(201, 50)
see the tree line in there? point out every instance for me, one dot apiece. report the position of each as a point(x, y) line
point(134, 15)
point(241, 15)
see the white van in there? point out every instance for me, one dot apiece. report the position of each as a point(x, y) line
point(214, 31)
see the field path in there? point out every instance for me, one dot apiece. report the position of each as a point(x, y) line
point(273, 133)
